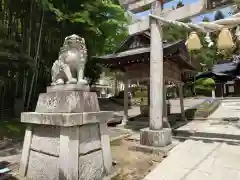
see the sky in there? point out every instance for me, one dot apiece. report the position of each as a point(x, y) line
point(186, 2)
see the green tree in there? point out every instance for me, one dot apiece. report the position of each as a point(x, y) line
point(36, 29)
point(207, 84)
point(206, 19)
point(179, 4)
point(101, 23)
point(219, 15)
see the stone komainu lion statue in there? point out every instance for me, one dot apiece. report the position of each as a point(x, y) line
point(69, 67)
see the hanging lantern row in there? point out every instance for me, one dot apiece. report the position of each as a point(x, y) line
point(224, 41)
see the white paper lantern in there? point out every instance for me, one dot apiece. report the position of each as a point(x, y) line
point(225, 40)
point(193, 42)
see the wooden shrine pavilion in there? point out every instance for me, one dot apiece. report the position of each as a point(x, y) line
point(133, 55)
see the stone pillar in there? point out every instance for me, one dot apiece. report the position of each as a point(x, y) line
point(126, 84)
point(67, 137)
point(156, 71)
point(223, 90)
point(180, 87)
point(164, 101)
point(156, 135)
point(213, 94)
point(148, 91)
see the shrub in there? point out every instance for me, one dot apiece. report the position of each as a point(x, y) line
point(205, 84)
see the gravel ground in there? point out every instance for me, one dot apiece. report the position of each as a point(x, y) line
point(133, 165)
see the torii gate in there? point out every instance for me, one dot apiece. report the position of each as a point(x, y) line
point(156, 135)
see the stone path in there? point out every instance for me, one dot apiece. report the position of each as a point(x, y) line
point(212, 151)
point(188, 102)
point(197, 160)
point(211, 128)
point(175, 106)
point(228, 108)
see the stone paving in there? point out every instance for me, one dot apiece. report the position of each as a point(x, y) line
point(223, 123)
point(188, 103)
point(228, 108)
point(175, 106)
point(211, 129)
point(206, 159)
point(197, 160)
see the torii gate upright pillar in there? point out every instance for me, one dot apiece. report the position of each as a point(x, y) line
point(156, 135)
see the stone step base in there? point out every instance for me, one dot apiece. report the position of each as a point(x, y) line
point(151, 149)
point(229, 141)
point(143, 124)
point(185, 133)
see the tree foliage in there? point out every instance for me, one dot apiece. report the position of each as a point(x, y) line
point(205, 84)
point(36, 30)
point(101, 23)
point(219, 15)
point(179, 4)
point(206, 19)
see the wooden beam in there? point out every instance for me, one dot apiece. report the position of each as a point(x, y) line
point(140, 6)
point(187, 11)
point(136, 6)
point(126, 2)
point(140, 26)
point(215, 4)
point(184, 12)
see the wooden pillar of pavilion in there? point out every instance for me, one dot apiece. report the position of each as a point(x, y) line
point(126, 84)
point(180, 87)
point(148, 91)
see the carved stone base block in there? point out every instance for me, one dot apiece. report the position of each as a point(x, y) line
point(67, 102)
point(156, 138)
point(67, 138)
point(80, 150)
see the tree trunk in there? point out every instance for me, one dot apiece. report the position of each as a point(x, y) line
point(10, 22)
point(25, 82)
point(26, 45)
point(35, 76)
point(38, 51)
point(30, 29)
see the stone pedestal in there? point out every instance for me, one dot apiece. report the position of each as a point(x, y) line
point(67, 138)
point(156, 138)
point(155, 141)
